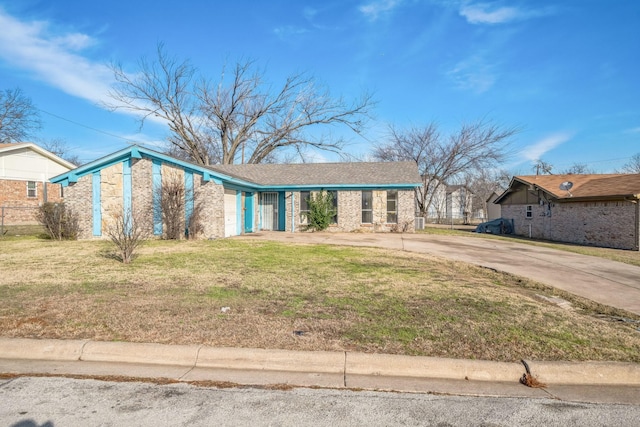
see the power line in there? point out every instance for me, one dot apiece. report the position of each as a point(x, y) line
point(89, 127)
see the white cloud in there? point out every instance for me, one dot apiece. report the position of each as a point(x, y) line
point(481, 13)
point(52, 58)
point(633, 130)
point(289, 31)
point(492, 13)
point(473, 74)
point(536, 151)
point(373, 10)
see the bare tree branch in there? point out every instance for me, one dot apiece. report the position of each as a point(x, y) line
point(475, 146)
point(19, 118)
point(633, 165)
point(240, 118)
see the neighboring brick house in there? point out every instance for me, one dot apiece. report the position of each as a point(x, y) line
point(594, 210)
point(237, 199)
point(25, 170)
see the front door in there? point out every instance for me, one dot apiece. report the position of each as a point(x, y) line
point(248, 212)
point(269, 209)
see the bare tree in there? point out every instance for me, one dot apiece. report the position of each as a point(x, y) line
point(240, 118)
point(127, 231)
point(60, 148)
point(475, 146)
point(483, 183)
point(175, 201)
point(19, 118)
point(578, 168)
point(633, 165)
point(542, 168)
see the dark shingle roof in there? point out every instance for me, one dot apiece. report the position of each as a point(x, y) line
point(372, 173)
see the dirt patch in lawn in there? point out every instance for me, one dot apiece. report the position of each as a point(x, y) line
point(301, 297)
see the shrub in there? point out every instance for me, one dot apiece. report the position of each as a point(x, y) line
point(127, 232)
point(173, 202)
point(59, 222)
point(321, 211)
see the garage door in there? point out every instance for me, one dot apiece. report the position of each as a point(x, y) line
point(230, 213)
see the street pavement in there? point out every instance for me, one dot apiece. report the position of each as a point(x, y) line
point(61, 402)
point(608, 282)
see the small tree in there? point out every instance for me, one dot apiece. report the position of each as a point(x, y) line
point(59, 222)
point(321, 211)
point(127, 232)
point(174, 199)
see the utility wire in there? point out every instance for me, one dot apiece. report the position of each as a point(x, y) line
point(89, 127)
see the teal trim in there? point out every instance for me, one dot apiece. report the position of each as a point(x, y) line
point(206, 176)
point(282, 211)
point(126, 193)
point(138, 152)
point(188, 199)
point(156, 170)
point(338, 187)
point(97, 204)
point(239, 212)
point(248, 212)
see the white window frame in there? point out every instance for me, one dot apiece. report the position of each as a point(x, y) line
point(34, 189)
point(303, 199)
point(395, 211)
point(528, 213)
point(364, 209)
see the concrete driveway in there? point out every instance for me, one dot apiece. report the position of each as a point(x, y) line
point(607, 282)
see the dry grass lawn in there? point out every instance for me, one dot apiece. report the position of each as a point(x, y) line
point(303, 297)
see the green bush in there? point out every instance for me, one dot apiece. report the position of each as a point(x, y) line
point(59, 222)
point(321, 211)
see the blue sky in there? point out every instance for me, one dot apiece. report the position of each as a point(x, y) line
point(566, 72)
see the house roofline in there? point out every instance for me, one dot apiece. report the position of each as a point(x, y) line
point(135, 151)
point(18, 145)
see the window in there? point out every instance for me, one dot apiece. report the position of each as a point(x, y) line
point(529, 211)
point(392, 207)
point(334, 196)
point(31, 189)
point(367, 202)
point(304, 206)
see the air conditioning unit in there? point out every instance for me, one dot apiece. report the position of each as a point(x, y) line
point(419, 223)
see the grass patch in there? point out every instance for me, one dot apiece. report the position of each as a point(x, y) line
point(257, 293)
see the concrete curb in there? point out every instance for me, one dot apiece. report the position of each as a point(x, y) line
point(335, 364)
point(586, 373)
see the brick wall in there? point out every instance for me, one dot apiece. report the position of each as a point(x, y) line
point(21, 209)
point(612, 224)
point(79, 199)
point(350, 212)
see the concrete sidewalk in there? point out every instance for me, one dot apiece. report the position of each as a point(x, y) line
point(608, 282)
point(594, 382)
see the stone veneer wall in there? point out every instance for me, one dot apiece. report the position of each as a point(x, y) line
point(142, 192)
point(111, 195)
point(350, 212)
point(611, 224)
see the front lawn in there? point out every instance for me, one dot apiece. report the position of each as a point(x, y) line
point(304, 297)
